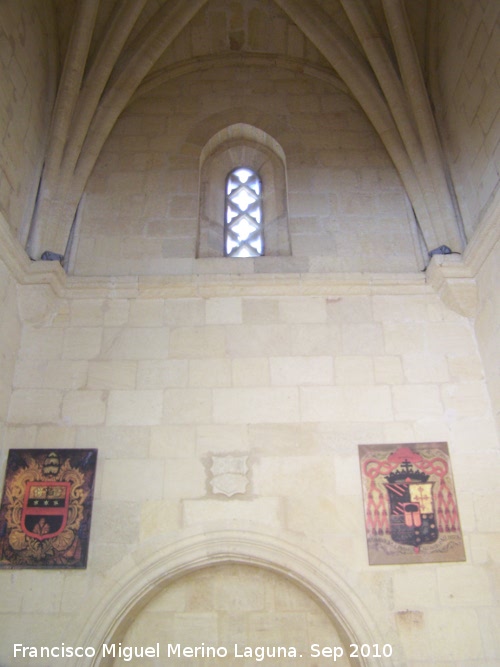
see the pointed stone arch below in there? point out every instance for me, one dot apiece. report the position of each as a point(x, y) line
point(142, 575)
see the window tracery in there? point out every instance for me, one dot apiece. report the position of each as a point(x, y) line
point(226, 228)
point(243, 235)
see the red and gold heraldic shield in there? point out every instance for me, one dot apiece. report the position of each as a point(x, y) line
point(411, 509)
point(45, 509)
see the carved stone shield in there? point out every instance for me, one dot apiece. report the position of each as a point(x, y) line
point(229, 475)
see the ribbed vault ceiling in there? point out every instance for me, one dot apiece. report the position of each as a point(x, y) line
point(111, 49)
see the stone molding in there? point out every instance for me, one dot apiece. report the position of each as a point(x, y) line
point(23, 269)
point(229, 474)
point(456, 290)
point(235, 146)
point(454, 276)
point(161, 76)
point(136, 580)
point(450, 276)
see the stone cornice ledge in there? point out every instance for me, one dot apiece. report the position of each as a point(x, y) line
point(451, 279)
point(454, 276)
point(23, 269)
point(451, 276)
point(220, 285)
point(28, 272)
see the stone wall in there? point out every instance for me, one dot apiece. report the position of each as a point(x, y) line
point(10, 333)
point(468, 78)
point(26, 100)
point(347, 210)
point(236, 607)
point(165, 377)
point(253, 27)
point(488, 324)
point(271, 370)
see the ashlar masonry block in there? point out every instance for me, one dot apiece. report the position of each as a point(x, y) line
point(116, 312)
point(37, 304)
point(405, 432)
point(357, 404)
point(172, 440)
point(135, 343)
point(126, 478)
point(260, 311)
point(197, 342)
point(258, 340)
point(19, 435)
point(253, 406)
point(270, 625)
point(302, 310)
point(163, 373)
point(11, 600)
point(313, 340)
point(106, 528)
point(464, 368)
point(258, 511)
point(50, 599)
point(141, 407)
point(116, 441)
point(484, 547)
point(159, 516)
point(313, 515)
point(41, 343)
point(82, 342)
point(304, 475)
point(221, 438)
point(184, 478)
point(296, 371)
point(228, 598)
point(35, 406)
point(354, 370)
point(50, 374)
point(400, 308)
point(467, 399)
point(417, 402)
point(482, 432)
point(438, 635)
point(489, 619)
point(450, 338)
point(486, 513)
point(388, 369)
point(112, 374)
point(422, 368)
point(87, 313)
point(432, 430)
point(187, 406)
point(465, 586)
point(147, 313)
point(352, 310)
point(83, 408)
point(55, 435)
point(209, 372)
point(202, 625)
point(250, 372)
point(400, 337)
point(224, 311)
point(416, 592)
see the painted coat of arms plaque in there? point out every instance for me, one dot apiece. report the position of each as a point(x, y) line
point(46, 508)
point(411, 512)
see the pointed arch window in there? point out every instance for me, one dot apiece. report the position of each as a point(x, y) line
point(243, 230)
